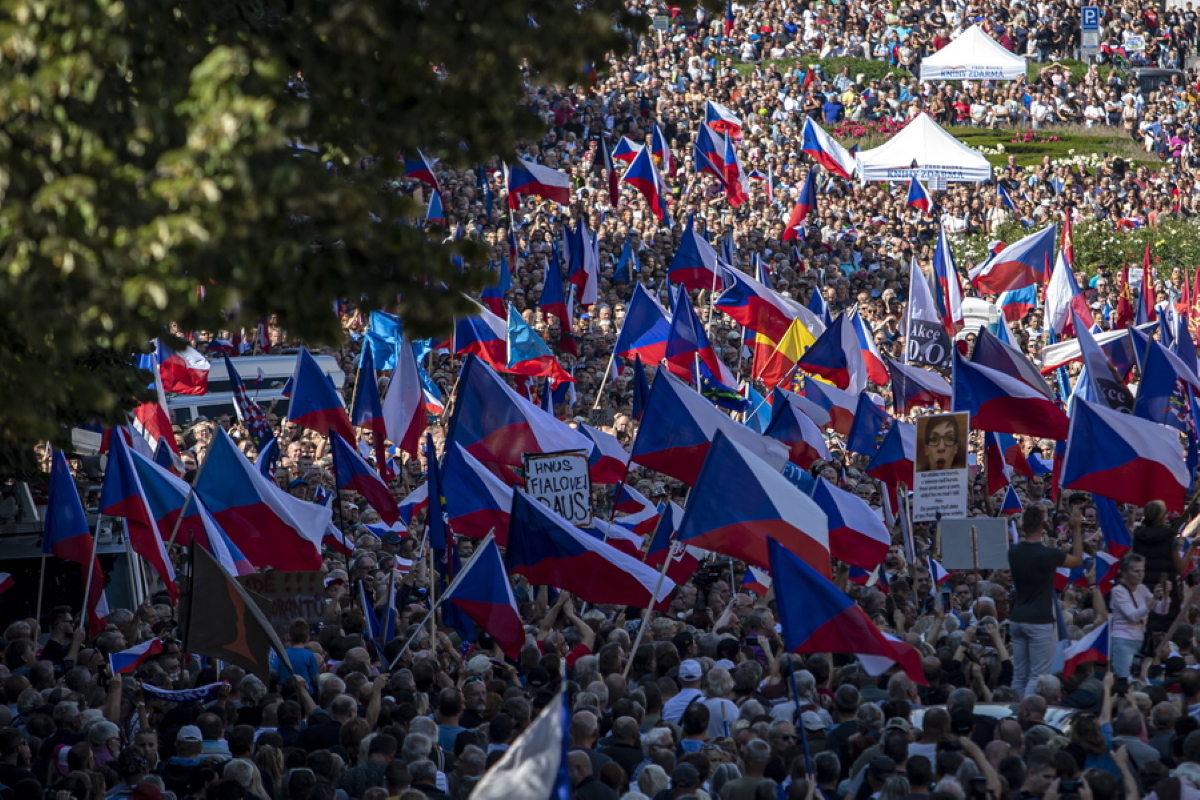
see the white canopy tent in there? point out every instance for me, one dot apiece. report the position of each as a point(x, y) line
point(925, 151)
point(973, 56)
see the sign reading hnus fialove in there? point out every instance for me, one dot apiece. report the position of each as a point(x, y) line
point(561, 481)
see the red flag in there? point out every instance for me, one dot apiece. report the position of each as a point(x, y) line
point(1123, 315)
point(1067, 244)
point(1148, 285)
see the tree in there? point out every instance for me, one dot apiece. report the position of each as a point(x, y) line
point(146, 176)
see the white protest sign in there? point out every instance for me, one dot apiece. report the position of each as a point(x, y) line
point(940, 481)
point(561, 481)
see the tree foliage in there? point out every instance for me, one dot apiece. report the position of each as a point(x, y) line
point(146, 175)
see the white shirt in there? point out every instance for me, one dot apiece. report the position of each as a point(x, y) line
point(673, 710)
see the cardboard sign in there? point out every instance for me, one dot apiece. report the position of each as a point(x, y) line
point(562, 482)
point(292, 595)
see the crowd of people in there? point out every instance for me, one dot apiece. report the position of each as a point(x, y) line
point(709, 704)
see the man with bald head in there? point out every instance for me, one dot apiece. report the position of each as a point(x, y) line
point(625, 747)
point(584, 779)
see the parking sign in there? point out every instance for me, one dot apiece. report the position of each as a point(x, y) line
point(1089, 18)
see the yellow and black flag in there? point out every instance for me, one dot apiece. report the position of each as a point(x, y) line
point(223, 621)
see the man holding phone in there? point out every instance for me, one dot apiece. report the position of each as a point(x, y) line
point(1031, 621)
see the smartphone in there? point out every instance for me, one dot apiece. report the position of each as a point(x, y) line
point(1120, 687)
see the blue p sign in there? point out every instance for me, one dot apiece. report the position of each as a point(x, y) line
point(1089, 18)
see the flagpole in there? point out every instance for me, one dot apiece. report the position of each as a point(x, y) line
point(91, 571)
point(188, 500)
point(41, 587)
point(796, 695)
point(662, 574)
point(604, 381)
point(449, 591)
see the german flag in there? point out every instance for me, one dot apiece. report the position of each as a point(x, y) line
point(222, 620)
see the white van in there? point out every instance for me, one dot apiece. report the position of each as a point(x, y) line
point(268, 393)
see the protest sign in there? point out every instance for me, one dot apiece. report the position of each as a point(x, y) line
point(561, 481)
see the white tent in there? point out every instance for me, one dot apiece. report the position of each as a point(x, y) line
point(973, 56)
point(925, 151)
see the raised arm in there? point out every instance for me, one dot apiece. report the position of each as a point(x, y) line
point(1075, 557)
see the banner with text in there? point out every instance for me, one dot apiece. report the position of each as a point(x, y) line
point(561, 481)
point(941, 483)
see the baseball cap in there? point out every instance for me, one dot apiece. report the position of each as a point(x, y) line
point(189, 733)
point(479, 665)
point(689, 670)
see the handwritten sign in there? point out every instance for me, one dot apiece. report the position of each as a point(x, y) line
point(561, 481)
point(292, 595)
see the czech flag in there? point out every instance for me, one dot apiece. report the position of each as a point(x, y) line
point(737, 185)
point(1166, 390)
point(1124, 458)
point(1063, 298)
point(1094, 646)
point(481, 591)
point(493, 294)
point(722, 120)
point(913, 387)
point(750, 303)
point(483, 334)
point(695, 262)
point(496, 425)
point(549, 551)
point(817, 617)
point(805, 406)
point(367, 410)
point(937, 572)
point(1001, 356)
point(894, 461)
point(643, 176)
point(685, 560)
point(182, 372)
point(315, 402)
point(1113, 526)
point(66, 535)
point(641, 521)
point(266, 523)
point(856, 534)
point(436, 213)
point(661, 151)
point(405, 407)
point(756, 580)
point(126, 662)
point(1011, 504)
point(949, 292)
point(876, 370)
point(1021, 264)
point(6, 582)
point(679, 426)
point(805, 205)
point(739, 501)
point(838, 404)
point(1016, 304)
point(122, 496)
point(918, 197)
point(525, 178)
point(800, 434)
point(421, 168)
point(687, 340)
point(646, 328)
point(353, 473)
point(708, 152)
point(1003, 457)
point(836, 356)
point(627, 150)
point(166, 496)
point(608, 460)
point(416, 503)
point(823, 149)
point(477, 502)
point(1108, 569)
point(528, 353)
point(999, 402)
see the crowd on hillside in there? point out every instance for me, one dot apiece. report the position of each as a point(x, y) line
point(706, 708)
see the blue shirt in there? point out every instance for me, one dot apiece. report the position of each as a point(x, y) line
point(304, 662)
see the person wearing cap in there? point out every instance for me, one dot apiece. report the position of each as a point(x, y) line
point(132, 767)
point(689, 680)
point(177, 771)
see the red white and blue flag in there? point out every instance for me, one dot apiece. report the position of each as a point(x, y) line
point(126, 662)
point(823, 149)
point(1094, 646)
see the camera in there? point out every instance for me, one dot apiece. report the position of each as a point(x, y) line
point(709, 574)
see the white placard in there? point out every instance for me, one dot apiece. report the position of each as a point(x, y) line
point(940, 481)
point(562, 482)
